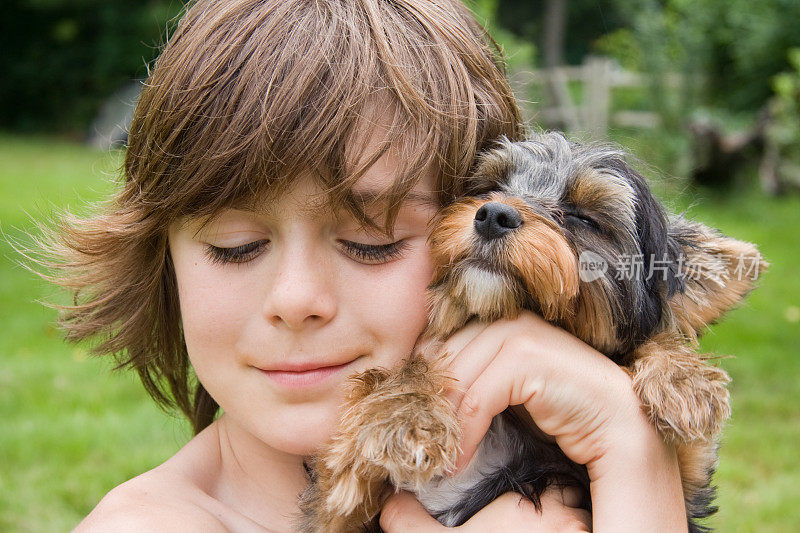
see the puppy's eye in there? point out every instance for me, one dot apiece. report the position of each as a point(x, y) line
point(582, 220)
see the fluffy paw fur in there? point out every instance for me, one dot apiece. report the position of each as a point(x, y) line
point(406, 427)
point(684, 396)
point(396, 426)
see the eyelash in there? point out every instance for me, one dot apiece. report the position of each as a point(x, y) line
point(364, 253)
point(375, 253)
point(237, 254)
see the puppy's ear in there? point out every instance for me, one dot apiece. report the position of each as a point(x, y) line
point(717, 273)
point(647, 301)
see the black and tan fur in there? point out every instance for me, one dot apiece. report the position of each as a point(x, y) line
point(562, 199)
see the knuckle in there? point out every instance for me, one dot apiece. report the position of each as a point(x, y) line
point(526, 319)
point(471, 404)
point(516, 345)
point(519, 343)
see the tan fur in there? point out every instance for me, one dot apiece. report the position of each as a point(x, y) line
point(694, 461)
point(606, 191)
point(452, 238)
point(538, 253)
point(684, 397)
point(544, 260)
point(396, 427)
point(716, 285)
point(593, 318)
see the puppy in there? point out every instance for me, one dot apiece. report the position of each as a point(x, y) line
point(573, 233)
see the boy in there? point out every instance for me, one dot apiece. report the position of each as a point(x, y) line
point(270, 240)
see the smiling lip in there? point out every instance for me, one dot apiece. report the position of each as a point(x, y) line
point(303, 375)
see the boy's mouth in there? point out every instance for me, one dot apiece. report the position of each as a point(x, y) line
point(305, 374)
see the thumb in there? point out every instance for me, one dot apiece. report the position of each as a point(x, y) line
point(402, 512)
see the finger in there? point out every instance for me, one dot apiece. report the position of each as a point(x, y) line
point(458, 340)
point(489, 395)
point(470, 351)
point(558, 510)
point(474, 347)
point(514, 512)
point(500, 514)
point(403, 512)
point(553, 503)
point(568, 516)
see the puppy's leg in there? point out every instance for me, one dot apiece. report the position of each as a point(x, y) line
point(697, 462)
point(406, 426)
point(344, 496)
point(395, 426)
point(684, 396)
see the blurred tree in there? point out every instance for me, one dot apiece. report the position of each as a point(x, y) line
point(780, 167)
point(732, 47)
point(62, 57)
point(555, 24)
point(585, 22)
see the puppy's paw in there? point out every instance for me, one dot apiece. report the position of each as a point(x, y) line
point(687, 401)
point(413, 436)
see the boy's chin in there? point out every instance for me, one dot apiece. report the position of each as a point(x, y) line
point(304, 434)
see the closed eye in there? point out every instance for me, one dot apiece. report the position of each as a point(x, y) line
point(237, 254)
point(373, 254)
point(582, 220)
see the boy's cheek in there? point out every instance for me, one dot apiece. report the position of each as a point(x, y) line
point(210, 298)
point(394, 305)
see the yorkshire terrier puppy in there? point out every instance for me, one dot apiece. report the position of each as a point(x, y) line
point(573, 233)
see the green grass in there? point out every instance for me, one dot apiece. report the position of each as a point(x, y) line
point(70, 429)
point(759, 475)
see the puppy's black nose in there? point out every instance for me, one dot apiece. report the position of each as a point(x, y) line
point(494, 220)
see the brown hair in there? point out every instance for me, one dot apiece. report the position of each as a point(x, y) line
point(245, 95)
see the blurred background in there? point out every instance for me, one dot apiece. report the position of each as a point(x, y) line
point(706, 93)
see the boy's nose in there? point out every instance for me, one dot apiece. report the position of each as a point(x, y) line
point(300, 296)
point(495, 219)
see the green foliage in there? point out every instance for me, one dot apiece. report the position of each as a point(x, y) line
point(587, 20)
point(730, 49)
point(518, 53)
point(622, 46)
point(62, 57)
point(784, 130)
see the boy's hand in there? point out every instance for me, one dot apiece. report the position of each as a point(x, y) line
point(580, 398)
point(573, 392)
point(508, 513)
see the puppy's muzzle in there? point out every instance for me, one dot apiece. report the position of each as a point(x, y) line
point(495, 219)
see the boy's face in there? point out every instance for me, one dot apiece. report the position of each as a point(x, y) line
point(313, 299)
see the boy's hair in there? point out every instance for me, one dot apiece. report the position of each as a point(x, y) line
point(246, 95)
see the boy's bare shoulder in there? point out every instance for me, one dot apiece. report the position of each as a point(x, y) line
point(152, 502)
